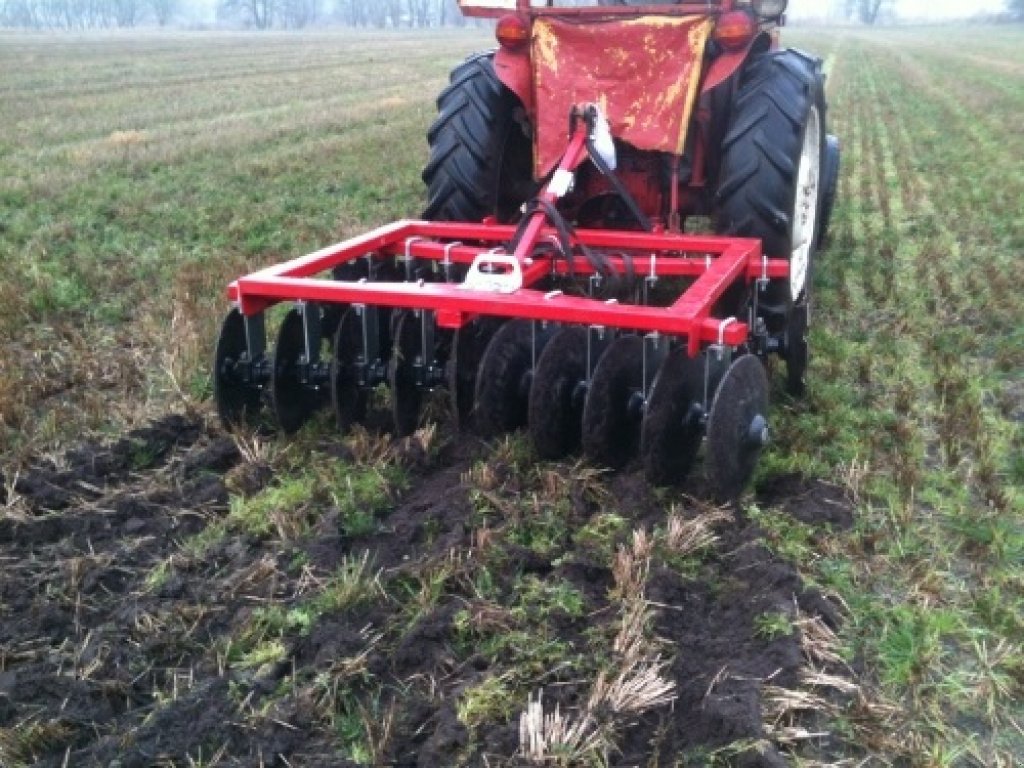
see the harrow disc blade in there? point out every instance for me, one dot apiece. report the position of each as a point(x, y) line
point(613, 406)
point(468, 349)
point(237, 400)
point(737, 427)
point(557, 393)
point(347, 397)
point(503, 380)
point(406, 396)
point(797, 352)
point(673, 429)
point(292, 403)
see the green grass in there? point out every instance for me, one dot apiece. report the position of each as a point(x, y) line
point(916, 400)
point(141, 175)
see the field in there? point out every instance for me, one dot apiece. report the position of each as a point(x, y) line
point(174, 595)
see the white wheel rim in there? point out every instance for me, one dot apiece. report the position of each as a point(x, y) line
point(805, 208)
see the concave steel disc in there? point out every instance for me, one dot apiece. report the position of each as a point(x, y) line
point(737, 427)
point(611, 418)
point(292, 402)
point(237, 401)
point(350, 272)
point(672, 428)
point(797, 352)
point(406, 396)
point(347, 397)
point(502, 381)
point(468, 348)
point(557, 392)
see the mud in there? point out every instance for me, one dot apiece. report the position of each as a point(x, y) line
point(115, 643)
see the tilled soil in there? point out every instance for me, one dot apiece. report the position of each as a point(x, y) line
point(116, 637)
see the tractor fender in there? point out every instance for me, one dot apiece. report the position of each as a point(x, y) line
point(513, 69)
point(726, 65)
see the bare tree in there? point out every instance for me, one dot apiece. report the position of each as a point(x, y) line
point(299, 13)
point(874, 11)
point(419, 12)
point(163, 10)
point(258, 14)
point(125, 12)
point(21, 13)
point(1016, 8)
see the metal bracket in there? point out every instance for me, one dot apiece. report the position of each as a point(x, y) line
point(655, 351)
point(255, 336)
point(541, 332)
point(408, 255)
point(311, 330)
point(598, 338)
point(426, 364)
point(446, 262)
point(720, 347)
point(508, 278)
point(311, 370)
point(369, 375)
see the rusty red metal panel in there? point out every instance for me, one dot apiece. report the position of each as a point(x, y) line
point(642, 72)
point(513, 69)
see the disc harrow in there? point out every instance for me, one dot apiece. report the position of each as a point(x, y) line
point(627, 343)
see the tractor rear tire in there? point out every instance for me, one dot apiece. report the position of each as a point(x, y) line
point(773, 156)
point(481, 159)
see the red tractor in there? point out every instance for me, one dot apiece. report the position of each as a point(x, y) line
point(552, 283)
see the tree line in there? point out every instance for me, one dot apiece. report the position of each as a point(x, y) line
point(85, 14)
point(297, 14)
point(250, 14)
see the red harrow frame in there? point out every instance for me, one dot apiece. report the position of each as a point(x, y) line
point(513, 322)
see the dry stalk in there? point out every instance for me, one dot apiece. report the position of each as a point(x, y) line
point(426, 437)
point(631, 640)
point(489, 617)
point(638, 687)
point(378, 728)
point(780, 702)
point(253, 448)
point(817, 640)
point(631, 567)
point(254, 575)
point(637, 684)
point(77, 568)
point(686, 536)
point(817, 679)
point(552, 737)
point(369, 448)
point(14, 506)
point(342, 671)
point(481, 477)
point(852, 477)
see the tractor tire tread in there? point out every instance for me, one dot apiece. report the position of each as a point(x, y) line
point(754, 194)
point(475, 114)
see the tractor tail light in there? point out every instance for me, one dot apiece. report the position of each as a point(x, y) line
point(735, 29)
point(512, 32)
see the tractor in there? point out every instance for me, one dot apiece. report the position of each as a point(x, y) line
point(624, 203)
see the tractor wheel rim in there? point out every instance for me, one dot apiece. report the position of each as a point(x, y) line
point(805, 213)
